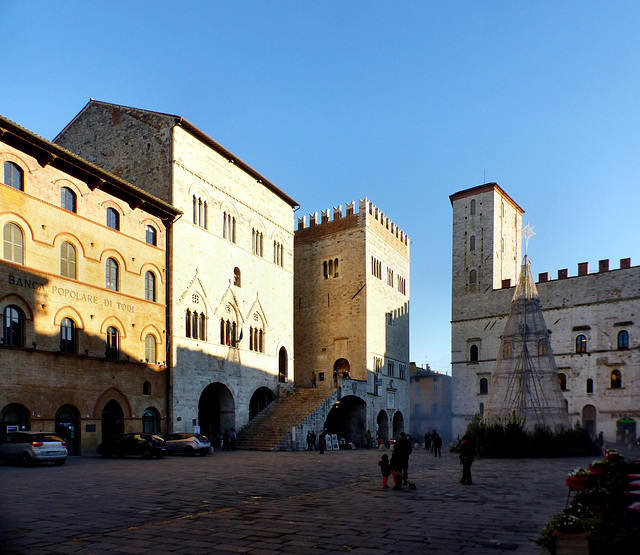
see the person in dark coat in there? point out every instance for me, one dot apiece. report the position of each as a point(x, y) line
point(367, 438)
point(225, 440)
point(427, 441)
point(466, 460)
point(309, 448)
point(323, 437)
point(400, 458)
point(436, 440)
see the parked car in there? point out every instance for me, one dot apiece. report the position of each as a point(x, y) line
point(146, 445)
point(189, 444)
point(33, 447)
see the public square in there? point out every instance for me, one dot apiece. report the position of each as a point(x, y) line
point(284, 502)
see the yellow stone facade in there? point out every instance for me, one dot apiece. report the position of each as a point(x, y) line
point(58, 305)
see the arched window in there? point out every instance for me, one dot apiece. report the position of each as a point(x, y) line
point(481, 409)
point(113, 343)
point(150, 349)
point(150, 286)
point(473, 353)
point(194, 325)
point(506, 350)
point(222, 337)
point(68, 336)
point(325, 269)
point(623, 339)
point(67, 199)
point(146, 388)
point(150, 421)
point(581, 344)
point(12, 240)
point(616, 379)
point(473, 277)
point(187, 323)
point(335, 268)
point(112, 274)
point(13, 176)
point(68, 260)
point(484, 386)
point(113, 219)
point(589, 385)
point(472, 208)
point(237, 277)
point(13, 327)
point(543, 348)
point(203, 330)
point(562, 380)
point(151, 235)
point(472, 243)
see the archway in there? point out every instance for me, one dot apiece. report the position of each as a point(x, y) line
point(383, 426)
point(68, 427)
point(342, 367)
point(259, 401)
point(112, 421)
point(625, 427)
point(282, 365)
point(589, 419)
point(150, 421)
point(216, 410)
point(347, 419)
point(398, 424)
point(14, 417)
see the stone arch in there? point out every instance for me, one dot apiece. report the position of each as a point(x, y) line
point(216, 410)
point(283, 365)
point(68, 427)
point(113, 393)
point(343, 367)
point(589, 419)
point(18, 301)
point(382, 423)
point(68, 312)
point(14, 415)
point(348, 419)
point(398, 423)
point(259, 401)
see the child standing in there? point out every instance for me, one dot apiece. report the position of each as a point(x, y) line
point(383, 463)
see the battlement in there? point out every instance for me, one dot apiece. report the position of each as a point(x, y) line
point(583, 270)
point(365, 207)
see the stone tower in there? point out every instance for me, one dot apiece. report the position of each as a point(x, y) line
point(486, 249)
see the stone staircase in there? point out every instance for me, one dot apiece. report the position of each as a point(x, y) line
point(273, 425)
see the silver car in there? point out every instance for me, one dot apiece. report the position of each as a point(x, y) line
point(32, 447)
point(189, 444)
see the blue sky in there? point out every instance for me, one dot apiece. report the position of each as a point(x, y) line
point(402, 102)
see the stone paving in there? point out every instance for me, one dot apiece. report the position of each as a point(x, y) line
point(264, 503)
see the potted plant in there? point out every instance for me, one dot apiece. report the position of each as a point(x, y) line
point(569, 530)
point(598, 467)
point(577, 480)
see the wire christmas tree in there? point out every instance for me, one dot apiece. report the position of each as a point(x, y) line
point(525, 383)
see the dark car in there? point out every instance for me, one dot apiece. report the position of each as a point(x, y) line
point(145, 445)
point(32, 447)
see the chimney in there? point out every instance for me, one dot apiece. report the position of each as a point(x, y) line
point(583, 268)
point(543, 277)
point(603, 266)
point(563, 274)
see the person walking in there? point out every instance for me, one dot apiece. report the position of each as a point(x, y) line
point(367, 438)
point(436, 440)
point(427, 441)
point(323, 437)
point(309, 448)
point(225, 440)
point(466, 460)
point(313, 380)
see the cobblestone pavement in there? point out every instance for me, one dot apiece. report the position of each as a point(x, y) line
point(271, 503)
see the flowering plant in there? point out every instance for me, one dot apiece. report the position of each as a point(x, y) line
point(576, 519)
point(580, 472)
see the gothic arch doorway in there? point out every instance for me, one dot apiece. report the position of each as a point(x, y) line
point(68, 427)
point(383, 426)
point(398, 424)
point(589, 419)
point(282, 365)
point(14, 417)
point(112, 422)
point(342, 367)
point(259, 401)
point(347, 419)
point(216, 410)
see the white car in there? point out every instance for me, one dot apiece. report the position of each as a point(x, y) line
point(189, 444)
point(32, 447)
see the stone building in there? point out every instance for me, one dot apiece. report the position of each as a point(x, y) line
point(83, 296)
point(430, 403)
point(352, 318)
point(591, 318)
point(230, 290)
